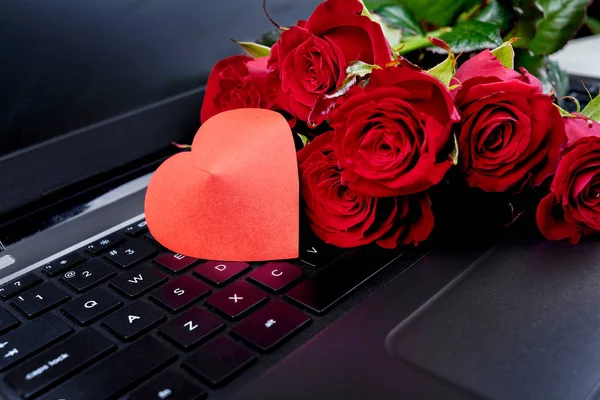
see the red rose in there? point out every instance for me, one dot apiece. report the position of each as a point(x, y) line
point(241, 82)
point(392, 136)
point(311, 58)
point(511, 133)
point(572, 209)
point(344, 218)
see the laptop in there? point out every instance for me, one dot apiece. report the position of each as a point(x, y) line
point(92, 307)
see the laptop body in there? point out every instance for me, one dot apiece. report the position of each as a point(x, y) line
point(439, 322)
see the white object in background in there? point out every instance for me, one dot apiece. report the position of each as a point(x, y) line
point(580, 57)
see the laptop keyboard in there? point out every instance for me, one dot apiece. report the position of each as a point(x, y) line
point(125, 317)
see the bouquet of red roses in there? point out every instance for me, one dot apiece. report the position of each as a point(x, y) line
point(379, 132)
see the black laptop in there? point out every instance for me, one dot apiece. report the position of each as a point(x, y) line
point(91, 307)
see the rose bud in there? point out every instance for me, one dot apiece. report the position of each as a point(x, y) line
point(241, 82)
point(341, 217)
point(392, 136)
point(572, 209)
point(511, 133)
point(311, 58)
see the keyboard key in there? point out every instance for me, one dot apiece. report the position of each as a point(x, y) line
point(67, 262)
point(314, 252)
point(220, 273)
point(40, 299)
point(116, 373)
point(133, 320)
point(132, 253)
point(270, 326)
point(237, 299)
point(169, 385)
point(7, 321)
point(192, 327)
point(91, 306)
point(136, 229)
point(88, 275)
point(19, 285)
point(329, 287)
point(103, 244)
point(138, 280)
point(58, 362)
point(276, 275)
point(31, 338)
point(180, 292)
point(219, 361)
point(175, 262)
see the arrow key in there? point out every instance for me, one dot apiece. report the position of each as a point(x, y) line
point(133, 320)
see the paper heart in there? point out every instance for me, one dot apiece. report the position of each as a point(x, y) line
point(235, 196)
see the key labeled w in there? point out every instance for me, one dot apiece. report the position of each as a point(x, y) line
point(136, 279)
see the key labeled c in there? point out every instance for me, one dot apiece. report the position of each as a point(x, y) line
point(276, 272)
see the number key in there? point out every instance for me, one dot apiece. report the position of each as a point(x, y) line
point(67, 262)
point(99, 246)
point(40, 299)
point(87, 275)
point(131, 253)
point(17, 286)
point(136, 229)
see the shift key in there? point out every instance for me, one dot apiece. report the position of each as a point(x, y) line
point(31, 338)
point(58, 362)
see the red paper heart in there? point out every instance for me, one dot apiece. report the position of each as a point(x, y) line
point(235, 196)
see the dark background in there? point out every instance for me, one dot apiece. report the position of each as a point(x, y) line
point(65, 64)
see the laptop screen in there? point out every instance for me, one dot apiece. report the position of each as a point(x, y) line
point(69, 64)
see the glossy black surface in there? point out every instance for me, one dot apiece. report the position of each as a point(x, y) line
point(100, 381)
point(59, 362)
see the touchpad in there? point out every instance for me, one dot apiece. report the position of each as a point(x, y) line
point(524, 325)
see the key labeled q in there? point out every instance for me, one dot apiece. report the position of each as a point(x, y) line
point(90, 304)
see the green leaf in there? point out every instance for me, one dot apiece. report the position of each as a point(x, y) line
point(445, 70)
point(561, 20)
point(529, 12)
point(437, 12)
point(593, 24)
point(564, 113)
point(471, 36)
point(360, 69)
point(393, 35)
point(255, 50)
point(592, 110)
point(303, 138)
point(455, 151)
point(412, 43)
point(365, 11)
point(506, 54)
point(269, 38)
point(496, 14)
point(399, 17)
